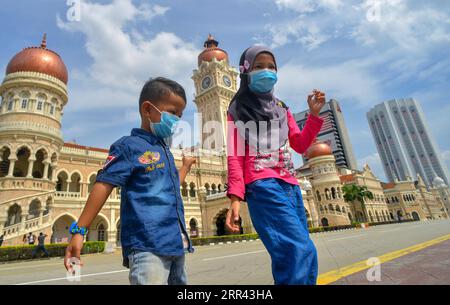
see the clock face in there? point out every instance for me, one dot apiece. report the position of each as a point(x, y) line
point(206, 82)
point(227, 81)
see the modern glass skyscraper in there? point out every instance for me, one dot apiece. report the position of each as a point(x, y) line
point(404, 141)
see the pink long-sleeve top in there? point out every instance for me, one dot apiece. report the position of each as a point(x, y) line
point(245, 168)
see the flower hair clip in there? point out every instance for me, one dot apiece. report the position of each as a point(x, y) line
point(245, 67)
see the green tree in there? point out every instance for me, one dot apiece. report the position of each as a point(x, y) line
point(355, 193)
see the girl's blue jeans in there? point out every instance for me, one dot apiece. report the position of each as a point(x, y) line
point(278, 215)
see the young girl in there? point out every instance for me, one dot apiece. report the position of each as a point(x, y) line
point(261, 171)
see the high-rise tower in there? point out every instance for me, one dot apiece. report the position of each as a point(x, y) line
point(404, 141)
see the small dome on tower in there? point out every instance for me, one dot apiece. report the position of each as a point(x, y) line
point(39, 59)
point(318, 149)
point(212, 51)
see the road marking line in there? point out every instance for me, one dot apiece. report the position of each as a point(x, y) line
point(27, 267)
point(348, 237)
point(75, 277)
point(233, 255)
point(335, 275)
point(385, 231)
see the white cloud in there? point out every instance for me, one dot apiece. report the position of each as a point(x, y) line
point(411, 27)
point(344, 81)
point(374, 162)
point(407, 24)
point(124, 55)
point(446, 155)
point(307, 6)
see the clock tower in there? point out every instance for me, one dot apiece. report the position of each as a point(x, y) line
point(215, 84)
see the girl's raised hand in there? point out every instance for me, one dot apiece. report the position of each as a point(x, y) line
point(316, 100)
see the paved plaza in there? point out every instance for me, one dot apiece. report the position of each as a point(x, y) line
point(409, 253)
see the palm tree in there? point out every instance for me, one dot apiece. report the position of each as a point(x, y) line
point(353, 192)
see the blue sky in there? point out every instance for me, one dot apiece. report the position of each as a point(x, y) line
point(359, 52)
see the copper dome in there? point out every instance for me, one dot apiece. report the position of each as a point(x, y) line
point(318, 149)
point(212, 51)
point(39, 59)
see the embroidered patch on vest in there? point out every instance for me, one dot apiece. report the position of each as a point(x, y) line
point(149, 157)
point(108, 161)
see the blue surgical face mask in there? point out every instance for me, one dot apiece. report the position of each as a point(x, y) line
point(262, 81)
point(166, 127)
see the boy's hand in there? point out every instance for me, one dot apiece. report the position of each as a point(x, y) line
point(73, 250)
point(232, 220)
point(188, 161)
point(316, 100)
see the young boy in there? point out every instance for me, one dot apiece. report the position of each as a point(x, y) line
point(153, 230)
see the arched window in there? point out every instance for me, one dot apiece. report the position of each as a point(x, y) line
point(330, 207)
point(21, 165)
point(38, 166)
point(10, 104)
point(5, 153)
point(61, 183)
point(338, 209)
point(184, 189)
point(40, 103)
point(101, 232)
point(208, 189)
point(34, 209)
point(24, 104)
point(319, 198)
point(192, 192)
point(213, 188)
point(14, 215)
point(75, 184)
point(193, 229)
point(333, 192)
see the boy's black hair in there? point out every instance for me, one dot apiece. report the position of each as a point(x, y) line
point(157, 88)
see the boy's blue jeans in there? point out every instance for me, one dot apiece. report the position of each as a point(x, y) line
point(278, 215)
point(147, 268)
